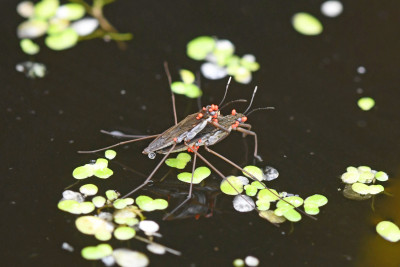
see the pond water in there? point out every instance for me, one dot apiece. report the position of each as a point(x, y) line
point(314, 133)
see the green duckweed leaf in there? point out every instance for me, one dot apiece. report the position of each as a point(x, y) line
point(360, 188)
point(86, 207)
point(62, 40)
point(388, 231)
point(103, 173)
point(90, 225)
point(83, 172)
point(148, 204)
point(255, 171)
point(292, 215)
point(228, 189)
point(316, 199)
point(71, 206)
point(268, 195)
point(306, 24)
point(251, 190)
point(350, 177)
point(46, 9)
point(110, 154)
point(187, 76)
point(127, 258)
point(57, 26)
point(381, 176)
point(263, 204)
point(96, 252)
point(311, 208)
point(270, 216)
point(103, 235)
point(124, 233)
point(89, 189)
point(199, 175)
point(112, 195)
point(200, 47)
point(192, 91)
point(366, 103)
point(71, 11)
point(178, 88)
point(99, 201)
point(375, 189)
point(179, 162)
point(29, 47)
point(294, 200)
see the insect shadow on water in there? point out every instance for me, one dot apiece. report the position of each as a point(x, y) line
point(204, 128)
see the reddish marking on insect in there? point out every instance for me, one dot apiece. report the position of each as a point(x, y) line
point(233, 112)
point(175, 139)
point(200, 115)
point(215, 107)
point(244, 119)
point(199, 141)
point(215, 120)
point(210, 110)
point(197, 216)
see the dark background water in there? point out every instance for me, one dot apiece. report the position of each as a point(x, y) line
point(316, 131)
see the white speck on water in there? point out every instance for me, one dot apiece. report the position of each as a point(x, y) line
point(243, 203)
point(332, 8)
point(123, 92)
point(360, 90)
point(108, 261)
point(71, 141)
point(244, 180)
point(67, 247)
point(71, 195)
point(148, 226)
point(270, 173)
point(251, 261)
point(213, 71)
point(156, 249)
point(361, 70)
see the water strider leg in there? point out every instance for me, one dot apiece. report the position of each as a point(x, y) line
point(152, 173)
point(222, 176)
point(245, 125)
point(119, 144)
point(252, 177)
point(244, 131)
point(121, 135)
point(189, 196)
point(172, 93)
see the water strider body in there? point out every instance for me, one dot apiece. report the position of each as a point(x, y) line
point(204, 128)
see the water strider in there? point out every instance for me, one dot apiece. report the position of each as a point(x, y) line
point(204, 128)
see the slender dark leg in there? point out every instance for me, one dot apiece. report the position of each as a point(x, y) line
point(252, 177)
point(219, 173)
point(121, 135)
point(219, 126)
point(244, 131)
point(189, 196)
point(120, 143)
point(172, 93)
point(152, 173)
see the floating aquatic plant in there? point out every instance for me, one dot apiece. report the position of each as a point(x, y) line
point(366, 103)
point(306, 24)
point(64, 24)
point(199, 175)
point(179, 162)
point(360, 182)
point(111, 216)
point(221, 60)
point(187, 86)
point(388, 231)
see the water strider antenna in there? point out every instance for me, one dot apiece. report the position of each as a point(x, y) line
point(256, 109)
point(251, 101)
point(233, 101)
point(226, 91)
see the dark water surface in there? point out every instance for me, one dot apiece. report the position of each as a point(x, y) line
point(316, 131)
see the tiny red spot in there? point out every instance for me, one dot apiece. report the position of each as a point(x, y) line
point(197, 216)
point(215, 120)
point(215, 107)
point(204, 108)
point(244, 119)
point(210, 110)
point(199, 141)
point(233, 112)
point(175, 139)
